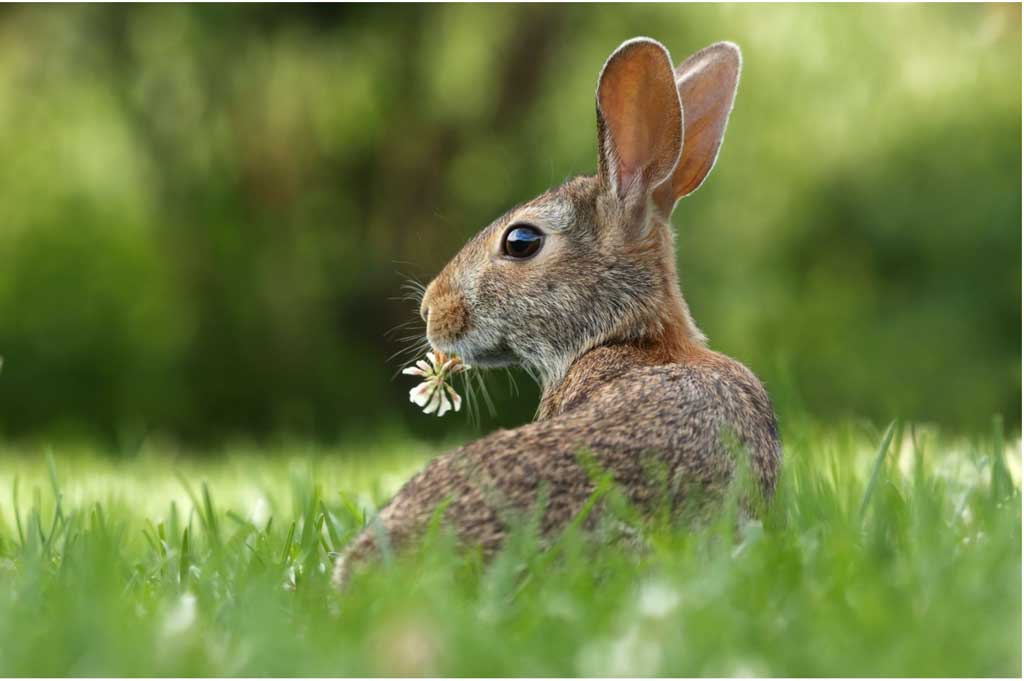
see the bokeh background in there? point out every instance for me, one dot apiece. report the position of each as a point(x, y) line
point(207, 213)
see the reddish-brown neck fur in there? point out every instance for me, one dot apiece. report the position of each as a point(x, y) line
point(669, 337)
point(675, 337)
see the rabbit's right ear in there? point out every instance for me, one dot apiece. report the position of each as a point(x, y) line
point(639, 120)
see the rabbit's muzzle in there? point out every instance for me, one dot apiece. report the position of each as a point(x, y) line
point(444, 311)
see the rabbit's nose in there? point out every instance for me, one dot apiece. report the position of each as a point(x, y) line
point(443, 310)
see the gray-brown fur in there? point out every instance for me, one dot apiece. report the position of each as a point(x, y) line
point(598, 315)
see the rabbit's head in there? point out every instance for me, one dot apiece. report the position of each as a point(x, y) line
point(592, 261)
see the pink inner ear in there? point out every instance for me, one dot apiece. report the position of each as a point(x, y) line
point(707, 86)
point(627, 176)
point(640, 108)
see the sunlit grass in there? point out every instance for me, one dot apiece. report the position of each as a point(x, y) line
point(893, 554)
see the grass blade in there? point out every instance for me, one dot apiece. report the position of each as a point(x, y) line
point(17, 513)
point(877, 467)
point(286, 549)
point(209, 517)
point(183, 559)
point(51, 468)
point(188, 489)
point(1001, 484)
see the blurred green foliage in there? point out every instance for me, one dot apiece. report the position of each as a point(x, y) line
point(206, 213)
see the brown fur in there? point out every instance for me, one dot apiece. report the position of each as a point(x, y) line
point(449, 318)
point(598, 315)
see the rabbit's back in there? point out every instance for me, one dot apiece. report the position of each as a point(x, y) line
point(673, 420)
point(688, 413)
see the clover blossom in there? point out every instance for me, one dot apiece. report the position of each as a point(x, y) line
point(434, 392)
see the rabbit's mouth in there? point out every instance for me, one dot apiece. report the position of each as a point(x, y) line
point(481, 356)
point(492, 357)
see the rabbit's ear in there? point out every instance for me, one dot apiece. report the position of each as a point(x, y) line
point(707, 84)
point(639, 119)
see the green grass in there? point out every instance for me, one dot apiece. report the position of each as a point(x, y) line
point(873, 560)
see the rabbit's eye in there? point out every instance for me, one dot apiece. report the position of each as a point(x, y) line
point(522, 241)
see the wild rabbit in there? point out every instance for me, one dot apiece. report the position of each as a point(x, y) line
point(580, 286)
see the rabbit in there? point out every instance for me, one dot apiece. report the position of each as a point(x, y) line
point(579, 286)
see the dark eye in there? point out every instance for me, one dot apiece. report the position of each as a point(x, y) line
point(522, 241)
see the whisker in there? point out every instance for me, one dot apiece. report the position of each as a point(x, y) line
point(472, 408)
point(534, 376)
point(513, 386)
point(414, 298)
point(417, 344)
point(404, 365)
point(411, 337)
point(413, 346)
point(411, 341)
point(412, 350)
point(488, 402)
point(406, 355)
point(402, 326)
point(413, 285)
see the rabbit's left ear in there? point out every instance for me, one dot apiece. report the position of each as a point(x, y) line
point(639, 120)
point(707, 83)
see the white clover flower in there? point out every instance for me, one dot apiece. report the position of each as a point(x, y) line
point(434, 394)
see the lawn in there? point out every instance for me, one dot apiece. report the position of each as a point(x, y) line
point(164, 563)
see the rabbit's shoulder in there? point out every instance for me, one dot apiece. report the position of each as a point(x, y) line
point(680, 409)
